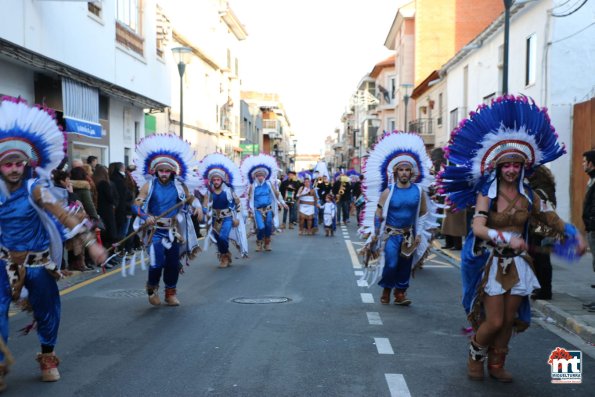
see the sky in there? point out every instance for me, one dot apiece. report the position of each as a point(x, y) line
point(313, 53)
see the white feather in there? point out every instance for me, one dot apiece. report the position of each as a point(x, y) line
point(249, 164)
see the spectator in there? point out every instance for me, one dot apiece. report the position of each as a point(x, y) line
point(77, 163)
point(125, 196)
point(71, 203)
point(454, 228)
point(288, 190)
point(107, 200)
point(82, 187)
point(342, 193)
point(589, 208)
point(543, 184)
point(89, 178)
point(92, 161)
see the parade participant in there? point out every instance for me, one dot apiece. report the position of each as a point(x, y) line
point(490, 153)
point(263, 197)
point(329, 211)
point(34, 225)
point(307, 202)
point(398, 215)
point(223, 186)
point(342, 193)
point(164, 165)
point(288, 190)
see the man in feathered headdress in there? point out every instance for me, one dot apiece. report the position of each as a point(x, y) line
point(223, 187)
point(402, 215)
point(33, 225)
point(490, 153)
point(263, 197)
point(164, 169)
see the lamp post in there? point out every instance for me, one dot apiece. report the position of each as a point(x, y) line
point(406, 101)
point(182, 55)
point(507, 5)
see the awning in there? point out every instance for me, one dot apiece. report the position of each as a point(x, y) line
point(81, 108)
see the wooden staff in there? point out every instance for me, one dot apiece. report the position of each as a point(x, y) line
point(145, 225)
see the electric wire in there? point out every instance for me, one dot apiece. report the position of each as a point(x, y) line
point(571, 12)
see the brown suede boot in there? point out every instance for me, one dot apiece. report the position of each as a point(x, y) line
point(259, 245)
point(48, 363)
point(291, 225)
point(401, 298)
point(475, 361)
point(153, 296)
point(496, 359)
point(224, 260)
point(3, 372)
point(282, 226)
point(170, 297)
point(385, 297)
point(267, 244)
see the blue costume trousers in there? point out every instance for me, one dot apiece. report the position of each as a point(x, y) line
point(264, 226)
point(223, 236)
point(44, 298)
point(167, 261)
point(5, 299)
point(397, 270)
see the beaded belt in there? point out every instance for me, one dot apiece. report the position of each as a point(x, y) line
point(265, 210)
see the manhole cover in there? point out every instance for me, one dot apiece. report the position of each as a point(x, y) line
point(261, 301)
point(127, 293)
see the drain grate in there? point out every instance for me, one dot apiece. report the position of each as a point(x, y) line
point(261, 301)
point(126, 293)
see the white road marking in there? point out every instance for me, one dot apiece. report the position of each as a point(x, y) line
point(374, 318)
point(362, 283)
point(431, 256)
point(359, 273)
point(357, 243)
point(397, 385)
point(367, 297)
point(383, 346)
point(353, 255)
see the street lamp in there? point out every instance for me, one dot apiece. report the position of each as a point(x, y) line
point(182, 55)
point(507, 5)
point(406, 101)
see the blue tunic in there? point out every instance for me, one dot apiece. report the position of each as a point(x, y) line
point(262, 195)
point(402, 213)
point(20, 224)
point(162, 198)
point(220, 201)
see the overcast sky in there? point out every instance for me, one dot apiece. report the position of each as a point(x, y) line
point(313, 53)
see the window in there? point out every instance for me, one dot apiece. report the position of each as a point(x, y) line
point(440, 109)
point(454, 118)
point(128, 27)
point(391, 124)
point(393, 88)
point(127, 12)
point(94, 8)
point(530, 60)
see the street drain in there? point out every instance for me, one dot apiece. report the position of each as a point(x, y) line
point(261, 301)
point(127, 293)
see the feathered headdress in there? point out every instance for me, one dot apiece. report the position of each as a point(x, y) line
point(303, 175)
point(511, 128)
point(31, 133)
point(165, 149)
point(322, 169)
point(217, 164)
point(261, 163)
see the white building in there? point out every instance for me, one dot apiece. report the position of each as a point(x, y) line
point(211, 78)
point(99, 65)
point(552, 60)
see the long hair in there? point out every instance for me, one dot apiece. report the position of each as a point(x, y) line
point(100, 174)
point(542, 181)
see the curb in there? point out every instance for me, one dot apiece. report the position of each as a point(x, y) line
point(566, 320)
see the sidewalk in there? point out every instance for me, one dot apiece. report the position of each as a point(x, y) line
point(571, 285)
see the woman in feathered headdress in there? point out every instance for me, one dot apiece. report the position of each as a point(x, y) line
point(263, 197)
point(165, 171)
point(222, 189)
point(492, 151)
point(34, 225)
point(398, 214)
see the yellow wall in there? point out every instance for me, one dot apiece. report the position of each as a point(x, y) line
point(434, 35)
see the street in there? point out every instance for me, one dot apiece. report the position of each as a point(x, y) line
point(332, 338)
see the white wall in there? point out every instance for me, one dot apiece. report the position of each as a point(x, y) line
point(122, 118)
point(16, 81)
point(64, 31)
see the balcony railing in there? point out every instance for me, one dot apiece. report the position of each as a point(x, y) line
point(422, 126)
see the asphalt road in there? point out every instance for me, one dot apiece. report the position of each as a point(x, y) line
point(325, 341)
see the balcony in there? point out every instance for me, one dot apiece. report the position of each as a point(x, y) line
point(425, 128)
